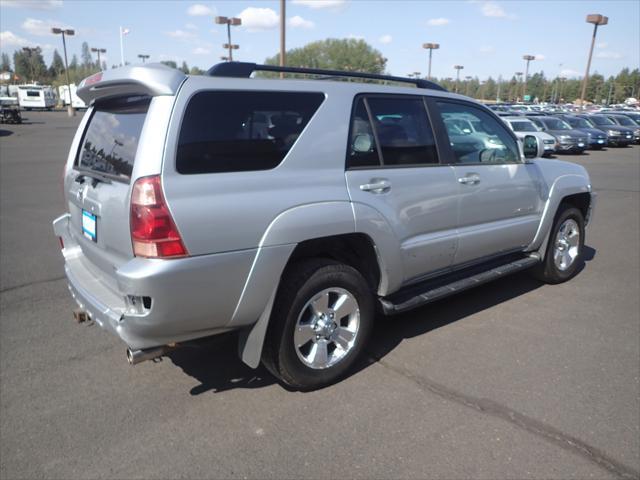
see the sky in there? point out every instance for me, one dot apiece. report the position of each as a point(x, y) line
point(488, 38)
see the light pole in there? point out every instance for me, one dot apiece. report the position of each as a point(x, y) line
point(468, 79)
point(431, 47)
point(519, 80)
point(143, 57)
point(527, 58)
point(597, 20)
point(29, 51)
point(562, 79)
point(228, 22)
point(458, 68)
point(66, 31)
point(99, 51)
point(282, 34)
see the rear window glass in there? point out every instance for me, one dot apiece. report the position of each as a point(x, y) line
point(229, 131)
point(111, 140)
point(33, 93)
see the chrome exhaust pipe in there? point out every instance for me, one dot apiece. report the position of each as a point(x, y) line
point(138, 356)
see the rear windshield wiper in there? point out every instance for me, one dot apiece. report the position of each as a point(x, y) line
point(95, 178)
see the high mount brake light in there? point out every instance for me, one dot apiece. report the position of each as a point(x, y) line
point(153, 232)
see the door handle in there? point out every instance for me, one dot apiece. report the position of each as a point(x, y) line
point(471, 179)
point(377, 185)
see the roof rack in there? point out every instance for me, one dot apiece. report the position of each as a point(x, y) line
point(245, 69)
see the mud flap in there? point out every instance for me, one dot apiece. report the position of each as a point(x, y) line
point(251, 339)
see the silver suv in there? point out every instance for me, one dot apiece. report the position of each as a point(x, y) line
point(293, 211)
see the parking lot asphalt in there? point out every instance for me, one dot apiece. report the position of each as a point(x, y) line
point(514, 379)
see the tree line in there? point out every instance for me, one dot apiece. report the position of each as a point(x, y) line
point(357, 55)
point(29, 66)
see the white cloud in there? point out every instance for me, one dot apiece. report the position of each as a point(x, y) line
point(386, 39)
point(299, 22)
point(318, 4)
point(539, 56)
point(201, 51)
point(609, 54)
point(33, 4)
point(438, 22)
point(568, 73)
point(41, 27)
point(191, 26)
point(200, 10)
point(10, 39)
point(487, 49)
point(258, 19)
point(602, 45)
point(493, 9)
point(180, 34)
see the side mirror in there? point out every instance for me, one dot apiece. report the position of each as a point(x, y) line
point(362, 143)
point(530, 147)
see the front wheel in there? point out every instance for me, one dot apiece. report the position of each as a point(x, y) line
point(321, 320)
point(564, 253)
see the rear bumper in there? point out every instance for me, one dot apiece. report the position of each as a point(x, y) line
point(189, 297)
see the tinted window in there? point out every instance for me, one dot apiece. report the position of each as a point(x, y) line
point(403, 131)
point(579, 123)
point(485, 140)
point(362, 151)
point(33, 93)
point(239, 131)
point(521, 126)
point(598, 120)
point(111, 139)
point(627, 122)
point(556, 124)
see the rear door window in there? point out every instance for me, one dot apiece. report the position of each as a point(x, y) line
point(111, 140)
point(403, 131)
point(235, 131)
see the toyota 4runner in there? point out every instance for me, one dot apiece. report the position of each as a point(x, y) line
point(294, 210)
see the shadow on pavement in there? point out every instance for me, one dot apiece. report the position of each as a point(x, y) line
point(5, 133)
point(216, 364)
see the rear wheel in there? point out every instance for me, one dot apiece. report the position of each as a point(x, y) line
point(565, 248)
point(321, 319)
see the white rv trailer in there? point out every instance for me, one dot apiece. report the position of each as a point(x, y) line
point(76, 102)
point(36, 96)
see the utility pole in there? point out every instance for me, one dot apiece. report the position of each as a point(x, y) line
point(597, 20)
point(57, 31)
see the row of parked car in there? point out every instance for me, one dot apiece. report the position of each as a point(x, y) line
point(574, 132)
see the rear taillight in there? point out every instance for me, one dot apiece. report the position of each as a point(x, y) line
point(153, 232)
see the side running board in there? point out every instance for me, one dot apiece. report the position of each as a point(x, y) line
point(435, 290)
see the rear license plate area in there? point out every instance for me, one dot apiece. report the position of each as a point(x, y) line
point(90, 226)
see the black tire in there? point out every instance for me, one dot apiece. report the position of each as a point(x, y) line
point(548, 271)
point(300, 283)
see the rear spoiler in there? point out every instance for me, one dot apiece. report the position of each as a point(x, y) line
point(151, 79)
